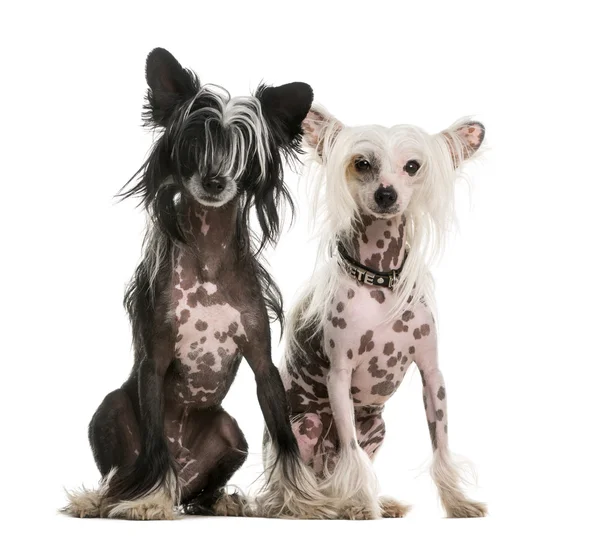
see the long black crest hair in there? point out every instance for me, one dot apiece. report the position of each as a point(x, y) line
point(253, 136)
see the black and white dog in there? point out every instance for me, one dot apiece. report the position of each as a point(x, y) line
point(199, 301)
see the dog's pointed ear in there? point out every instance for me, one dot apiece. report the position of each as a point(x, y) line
point(320, 130)
point(464, 139)
point(284, 107)
point(169, 85)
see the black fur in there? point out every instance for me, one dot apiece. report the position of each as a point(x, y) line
point(175, 93)
point(179, 106)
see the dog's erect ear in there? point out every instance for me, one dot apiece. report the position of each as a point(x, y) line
point(169, 84)
point(284, 107)
point(320, 129)
point(463, 140)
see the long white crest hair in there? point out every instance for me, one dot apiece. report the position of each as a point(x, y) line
point(429, 214)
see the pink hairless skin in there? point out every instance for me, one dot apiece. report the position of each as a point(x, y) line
point(345, 360)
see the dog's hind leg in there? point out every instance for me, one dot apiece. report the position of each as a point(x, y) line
point(115, 440)
point(444, 471)
point(114, 433)
point(216, 449)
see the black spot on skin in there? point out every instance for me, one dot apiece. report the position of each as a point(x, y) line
point(441, 394)
point(350, 293)
point(201, 325)
point(374, 261)
point(404, 359)
point(389, 376)
point(392, 361)
point(221, 336)
point(411, 350)
point(383, 388)
point(331, 343)
point(439, 414)
point(432, 426)
point(354, 390)
point(378, 295)
point(374, 369)
point(366, 342)
point(388, 348)
point(425, 329)
point(380, 243)
point(399, 326)
point(349, 354)
point(407, 316)
point(387, 234)
point(194, 345)
point(203, 339)
point(339, 322)
point(417, 333)
point(340, 307)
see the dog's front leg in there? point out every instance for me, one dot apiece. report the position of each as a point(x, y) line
point(444, 471)
point(353, 481)
point(291, 489)
point(148, 489)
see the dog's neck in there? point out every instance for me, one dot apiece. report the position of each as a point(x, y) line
point(379, 243)
point(211, 234)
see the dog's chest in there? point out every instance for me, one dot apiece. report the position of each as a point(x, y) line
point(208, 332)
point(379, 350)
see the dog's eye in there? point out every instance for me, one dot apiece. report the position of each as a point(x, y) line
point(411, 167)
point(362, 165)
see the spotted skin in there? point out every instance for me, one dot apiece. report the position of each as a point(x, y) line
point(346, 372)
point(376, 352)
point(210, 316)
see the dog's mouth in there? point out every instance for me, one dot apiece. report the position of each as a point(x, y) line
point(213, 192)
point(213, 201)
point(376, 211)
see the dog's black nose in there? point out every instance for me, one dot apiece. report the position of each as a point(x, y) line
point(385, 197)
point(213, 185)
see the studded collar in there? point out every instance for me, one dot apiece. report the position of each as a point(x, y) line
point(364, 274)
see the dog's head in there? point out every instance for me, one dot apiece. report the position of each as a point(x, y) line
point(215, 148)
point(385, 172)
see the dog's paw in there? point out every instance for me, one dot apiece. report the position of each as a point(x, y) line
point(83, 503)
point(466, 509)
point(155, 506)
point(391, 508)
point(232, 505)
point(357, 512)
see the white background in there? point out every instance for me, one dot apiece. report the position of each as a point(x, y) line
point(518, 288)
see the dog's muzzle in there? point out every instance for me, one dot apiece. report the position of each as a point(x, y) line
point(385, 197)
point(213, 185)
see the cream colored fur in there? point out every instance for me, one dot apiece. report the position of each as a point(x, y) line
point(157, 505)
point(448, 480)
